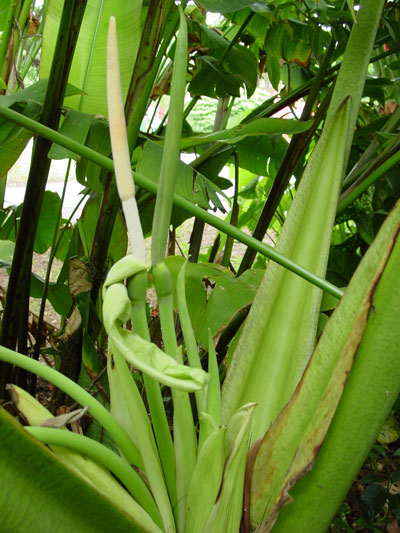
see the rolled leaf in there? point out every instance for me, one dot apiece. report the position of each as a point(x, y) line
point(289, 447)
point(227, 511)
point(279, 335)
point(206, 481)
point(370, 391)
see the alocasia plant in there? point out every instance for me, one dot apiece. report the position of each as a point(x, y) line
point(282, 396)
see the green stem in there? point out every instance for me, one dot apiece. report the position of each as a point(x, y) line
point(170, 159)
point(192, 209)
point(353, 193)
point(76, 392)
point(103, 456)
point(137, 292)
point(184, 430)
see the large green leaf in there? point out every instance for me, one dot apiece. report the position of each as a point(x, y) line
point(190, 184)
point(261, 126)
point(119, 240)
point(13, 137)
point(76, 126)
point(238, 68)
point(88, 70)
point(38, 493)
point(47, 222)
point(227, 298)
point(256, 152)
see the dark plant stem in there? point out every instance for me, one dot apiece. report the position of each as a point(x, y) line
point(17, 300)
point(143, 73)
point(39, 335)
point(105, 223)
point(195, 240)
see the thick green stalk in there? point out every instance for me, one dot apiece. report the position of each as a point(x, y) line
point(137, 287)
point(101, 455)
point(169, 164)
point(17, 300)
point(76, 392)
point(191, 208)
point(183, 426)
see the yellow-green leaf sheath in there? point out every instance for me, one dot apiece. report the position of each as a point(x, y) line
point(227, 511)
point(278, 337)
point(289, 448)
point(128, 409)
point(370, 391)
point(279, 333)
point(84, 467)
point(206, 481)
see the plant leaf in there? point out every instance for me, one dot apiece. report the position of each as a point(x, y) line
point(260, 126)
point(88, 70)
point(279, 333)
point(24, 459)
point(207, 473)
point(375, 376)
point(227, 511)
